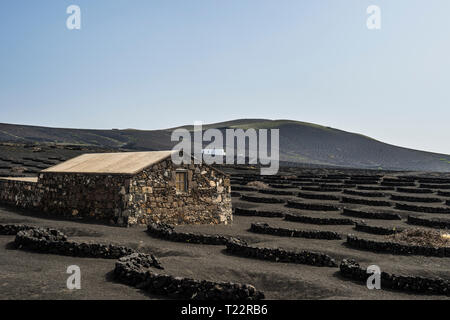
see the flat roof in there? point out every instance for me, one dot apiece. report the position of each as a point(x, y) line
point(110, 163)
point(25, 179)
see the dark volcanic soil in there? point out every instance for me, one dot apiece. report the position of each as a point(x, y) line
point(27, 275)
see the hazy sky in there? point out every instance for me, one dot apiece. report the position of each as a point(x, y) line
point(151, 64)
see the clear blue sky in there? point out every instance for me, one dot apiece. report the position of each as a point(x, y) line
point(151, 64)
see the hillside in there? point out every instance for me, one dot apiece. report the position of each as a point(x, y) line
point(300, 143)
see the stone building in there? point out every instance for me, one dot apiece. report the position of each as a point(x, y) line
point(129, 188)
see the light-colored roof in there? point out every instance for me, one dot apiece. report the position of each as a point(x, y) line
point(110, 163)
point(25, 179)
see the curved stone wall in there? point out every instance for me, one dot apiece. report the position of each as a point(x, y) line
point(281, 186)
point(414, 190)
point(311, 206)
point(54, 242)
point(264, 228)
point(375, 203)
point(371, 215)
point(375, 229)
point(435, 186)
point(352, 270)
point(319, 196)
point(240, 248)
point(261, 199)
point(321, 189)
point(132, 270)
point(317, 220)
point(277, 192)
point(12, 229)
point(258, 213)
point(410, 207)
point(396, 248)
point(167, 232)
point(364, 194)
point(439, 224)
point(416, 199)
point(375, 188)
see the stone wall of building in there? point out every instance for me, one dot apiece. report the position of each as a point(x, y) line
point(21, 194)
point(84, 195)
point(153, 196)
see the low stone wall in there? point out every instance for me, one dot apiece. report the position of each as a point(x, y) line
point(261, 199)
point(277, 183)
point(375, 229)
point(396, 248)
point(352, 270)
point(444, 193)
point(281, 186)
point(371, 215)
point(21, 194)
point(264, 228)
point(399, 179)
point(134, 271)
point(305, 184)
point(54, 242)
point(258, 213)
point(318, 221)
point(321, 189)
point(167, 232)
point(345, 185)
point(325, 180)
point(337, 176)
point(439, 224)
point(236, 188)
point(12, 229)
point(239, 248)
point(364, 194)
point(416, 199)
point(415, 190)
point(299, 182)
point(375, 203)
point(311, 206)
point(375, 177)
point(319, 196)
point(435, 186)
point(363, 182)
point(376, 188)
point(410, 207)
point(434, 180)
point(398, 184)
point(277, 192)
